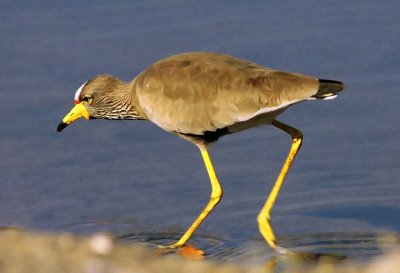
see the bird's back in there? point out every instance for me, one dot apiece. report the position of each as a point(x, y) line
point(195, 93)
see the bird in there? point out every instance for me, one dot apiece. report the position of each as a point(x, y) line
point(200, 97)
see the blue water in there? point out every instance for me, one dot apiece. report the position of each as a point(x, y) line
point(121, 176)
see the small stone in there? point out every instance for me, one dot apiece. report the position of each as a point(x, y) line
point(101, 244)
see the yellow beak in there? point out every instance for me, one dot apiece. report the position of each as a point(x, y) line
point(78, 111)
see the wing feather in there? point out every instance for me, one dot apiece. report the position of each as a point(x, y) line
point(198, 92)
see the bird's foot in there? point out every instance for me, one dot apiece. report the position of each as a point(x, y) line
point(172, 246)
point(186, 251)
point(167, 249)
point(266, 231)
point(269, 236)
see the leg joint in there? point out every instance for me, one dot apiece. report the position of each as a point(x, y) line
point(263, 217)
point(217, 194)
point(297, 135)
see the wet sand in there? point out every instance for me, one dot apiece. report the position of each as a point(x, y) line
point(22, 251)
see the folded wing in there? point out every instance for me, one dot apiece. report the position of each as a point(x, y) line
point(202, 92)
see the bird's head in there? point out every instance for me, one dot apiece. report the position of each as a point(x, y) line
point(103, 97)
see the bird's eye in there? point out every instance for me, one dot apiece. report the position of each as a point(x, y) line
point(87, 98)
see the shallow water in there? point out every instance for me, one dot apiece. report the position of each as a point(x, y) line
point(349, 246)
point(118, 176)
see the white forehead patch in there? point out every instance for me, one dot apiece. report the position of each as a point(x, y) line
point(78, 92)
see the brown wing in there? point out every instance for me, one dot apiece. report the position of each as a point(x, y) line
point(197, 92)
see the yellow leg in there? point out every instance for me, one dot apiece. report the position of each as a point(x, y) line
point(264, 216)
point(216, 194)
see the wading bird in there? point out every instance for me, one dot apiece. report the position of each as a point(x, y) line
point(201, 97)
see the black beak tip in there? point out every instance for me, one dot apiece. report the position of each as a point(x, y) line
point(61, 126)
